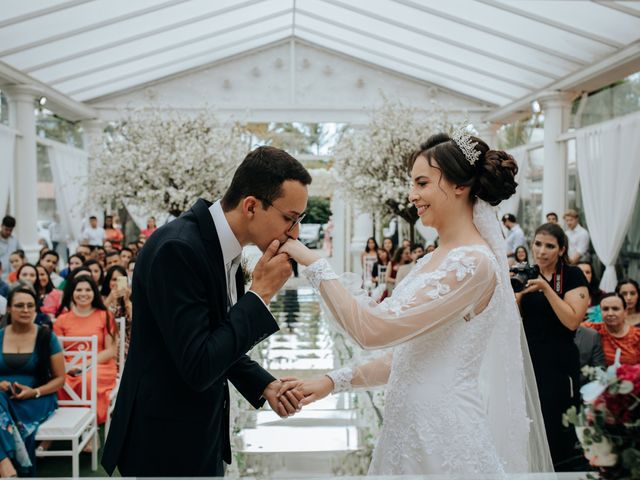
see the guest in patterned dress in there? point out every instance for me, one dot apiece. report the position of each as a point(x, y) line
point(118, 298)
point(88, 316)
point(31, 372)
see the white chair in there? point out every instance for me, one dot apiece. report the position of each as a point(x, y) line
point(77, 420)
point(121, 322)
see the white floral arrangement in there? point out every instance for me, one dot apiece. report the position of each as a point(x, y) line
point(165, 161)
point(371, 162)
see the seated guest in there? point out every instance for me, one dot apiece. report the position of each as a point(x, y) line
point(615, 332)
point(417, 252)
point(16, 259)
point(629, 290)
point(97, 272)
point(521, 255)
point(100, 254)
point(88, 316)
point(593, 312)
point(117, 298)
point(28, 276)
point(84, 250)
point(76, 260)
point(383, 261)
point(112, 258)
point(126, 255)
point(589, 346)
point(50, 297)
point(31, 372)
point(401, 257)
point(49, 260)
point(67, 293)
point(133, 246)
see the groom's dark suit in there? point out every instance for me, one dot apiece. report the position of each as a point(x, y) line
point(172, 412)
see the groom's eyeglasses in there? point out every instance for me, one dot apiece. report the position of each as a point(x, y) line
point(294, 220)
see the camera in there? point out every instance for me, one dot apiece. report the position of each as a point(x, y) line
point(522, 274)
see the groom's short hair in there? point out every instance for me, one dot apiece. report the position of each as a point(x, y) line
point(261, 174)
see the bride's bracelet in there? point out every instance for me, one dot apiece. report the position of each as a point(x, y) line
point(341, 379)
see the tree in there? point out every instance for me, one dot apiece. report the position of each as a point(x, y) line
point(318, 210)
point(165, 162)
point(371, 163)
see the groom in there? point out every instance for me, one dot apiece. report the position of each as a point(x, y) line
point(193, 324)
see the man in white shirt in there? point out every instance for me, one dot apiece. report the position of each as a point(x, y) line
point(93, 234)
point(516, 237)
point(578, 238)
point(8, 243)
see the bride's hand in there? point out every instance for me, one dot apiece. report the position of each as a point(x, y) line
point(301, 254)
point(313, 389)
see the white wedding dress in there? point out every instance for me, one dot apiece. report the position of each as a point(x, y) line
point(456, 397)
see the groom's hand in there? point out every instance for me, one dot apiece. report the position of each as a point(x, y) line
point(271, 272)
point(285, 402)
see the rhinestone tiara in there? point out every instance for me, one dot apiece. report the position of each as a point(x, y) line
point(465, 144)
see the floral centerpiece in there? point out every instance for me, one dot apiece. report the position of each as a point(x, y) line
point(608, 423)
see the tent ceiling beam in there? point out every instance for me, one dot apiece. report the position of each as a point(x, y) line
point(494, 32)
point(552, 23)
point(57, 101)
point(93, 26)
point(454, 42)
point(140, 36)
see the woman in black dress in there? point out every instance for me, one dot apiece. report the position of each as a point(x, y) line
point(552, 307)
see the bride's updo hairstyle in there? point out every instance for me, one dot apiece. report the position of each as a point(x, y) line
point(491, 177)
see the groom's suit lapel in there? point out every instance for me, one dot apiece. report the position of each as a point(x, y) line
point(213, 249)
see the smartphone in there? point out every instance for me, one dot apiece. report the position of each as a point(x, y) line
point(122, 283)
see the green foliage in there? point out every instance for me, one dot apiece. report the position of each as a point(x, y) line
point(296, 138)
point(318, 210)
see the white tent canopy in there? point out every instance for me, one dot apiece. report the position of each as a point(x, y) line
point(496, 52)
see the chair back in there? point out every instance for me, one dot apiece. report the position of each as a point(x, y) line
point(81, 353)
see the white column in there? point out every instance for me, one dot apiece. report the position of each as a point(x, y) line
point(556, 107)
point(25, 189)
point(339, 239)
point(362, 230)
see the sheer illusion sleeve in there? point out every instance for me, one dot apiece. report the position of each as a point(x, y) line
point(459, 287)
point(371, 374)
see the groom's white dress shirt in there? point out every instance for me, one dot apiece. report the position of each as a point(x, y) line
point(231, 251)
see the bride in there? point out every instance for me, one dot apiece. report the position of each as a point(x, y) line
point(460, 392)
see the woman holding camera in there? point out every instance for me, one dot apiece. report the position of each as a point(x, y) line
point(552, 307)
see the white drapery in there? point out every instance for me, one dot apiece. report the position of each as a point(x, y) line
point(608, 156)
point(70, 169)
point(7, 152)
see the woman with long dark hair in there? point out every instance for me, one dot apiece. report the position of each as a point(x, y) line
point(117, 298)
point(31, 371)
point(629, 290)
point(28, 274)
point(553, 306)
point(88, 316)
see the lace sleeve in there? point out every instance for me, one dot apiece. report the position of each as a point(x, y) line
point(370, 374)
point(460, 287)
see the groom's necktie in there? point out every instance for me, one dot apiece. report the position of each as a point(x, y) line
point(232, 290)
